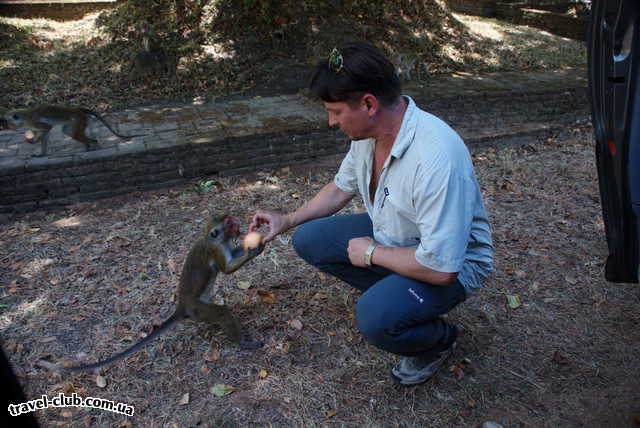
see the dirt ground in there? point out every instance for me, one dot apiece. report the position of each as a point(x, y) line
point(83, 283)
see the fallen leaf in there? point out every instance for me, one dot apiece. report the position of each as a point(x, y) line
point(101, 381)
point(243, 285)
point(330, 413)
point(220, 389)
point(59, 386)
point(172, 266)
point(212, 355)
point(267, 297)
point(490, 424)
point(66, 413)
point(513, 301)
point(184, 400)
point(458, 373)
point(295, 323)
point(74, 248)
point(558, 358)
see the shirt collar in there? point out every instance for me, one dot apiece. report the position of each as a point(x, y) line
point(407, 129)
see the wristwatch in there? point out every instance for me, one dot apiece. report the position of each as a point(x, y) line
point(369, 253)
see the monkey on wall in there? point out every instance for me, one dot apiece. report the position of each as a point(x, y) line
point(404, 65)
point(74, 121)
point(213, 252)
point(152, 58)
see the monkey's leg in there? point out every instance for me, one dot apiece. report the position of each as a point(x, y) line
point(76, 130)
point(41, 134)
point(220, 314)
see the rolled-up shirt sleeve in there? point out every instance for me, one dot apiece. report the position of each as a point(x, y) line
point(444, 213)
point(346, 178)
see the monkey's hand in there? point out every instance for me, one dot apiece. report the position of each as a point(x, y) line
point(256, 251)
point(239, 252)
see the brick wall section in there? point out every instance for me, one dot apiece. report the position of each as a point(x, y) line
point(546, 15)
point(40, 186)
point(473, 7)
point(189, 142)
point(555, 23)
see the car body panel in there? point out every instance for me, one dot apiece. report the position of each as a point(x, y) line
point(614, 68)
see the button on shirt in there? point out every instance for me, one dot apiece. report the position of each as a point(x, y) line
point(427, 197)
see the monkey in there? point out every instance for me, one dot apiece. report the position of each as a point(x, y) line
point(211, 253)
point(74, 121)
point(152, 58)
point(154, 61)
point(404, 64)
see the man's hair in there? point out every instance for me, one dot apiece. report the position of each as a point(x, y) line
point(364, 69)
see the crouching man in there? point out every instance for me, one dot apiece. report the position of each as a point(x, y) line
point(424, 242)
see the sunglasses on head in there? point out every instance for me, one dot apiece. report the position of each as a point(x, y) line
point(336, 62)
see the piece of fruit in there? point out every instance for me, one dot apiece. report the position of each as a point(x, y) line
point(251, 240)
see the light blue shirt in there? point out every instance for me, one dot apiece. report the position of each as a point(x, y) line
point(427, 197)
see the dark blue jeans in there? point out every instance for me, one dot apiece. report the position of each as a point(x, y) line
point(394, 313)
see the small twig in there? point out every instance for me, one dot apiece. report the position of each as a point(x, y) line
point(523, 377)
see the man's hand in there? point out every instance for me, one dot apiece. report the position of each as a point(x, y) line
point(278, 223)
point(356, 249)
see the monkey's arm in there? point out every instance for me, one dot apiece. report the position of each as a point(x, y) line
point(233, 260)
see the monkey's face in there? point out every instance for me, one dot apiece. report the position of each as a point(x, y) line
point(231, 226)
point(222, 228)
point(14, 120)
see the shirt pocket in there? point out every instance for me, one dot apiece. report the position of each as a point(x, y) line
point(398, 206)
point(397, 222)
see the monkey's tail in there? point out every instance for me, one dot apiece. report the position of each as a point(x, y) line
point(134, 348)
point(105, 123)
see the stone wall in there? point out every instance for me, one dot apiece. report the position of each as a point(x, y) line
point(38, 185)
point(555, 23)
point(473, 7)
point(544, 14)
point(43, 183)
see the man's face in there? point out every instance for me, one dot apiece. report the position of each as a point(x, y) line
point(353, 119)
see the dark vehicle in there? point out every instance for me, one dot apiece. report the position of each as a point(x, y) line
point(614, 82)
